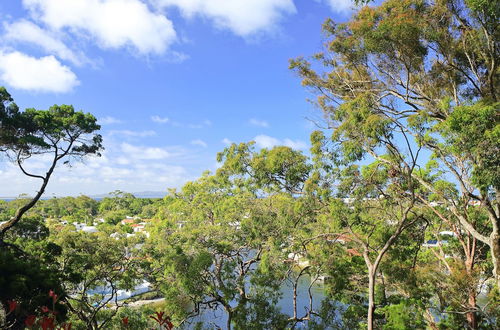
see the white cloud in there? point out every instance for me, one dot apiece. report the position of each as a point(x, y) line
point(259, 123)
point(123, 166)
point(226, 141)
point(108, 120)
point(133, 133)
point(199, 142)
point(160, 120)
point(26, 31)
point(265, 141)
point(112, 23)
point(123, 160)
point(294, 144)
point(340, 6)
point(115, 173)
point(242, 17)
point(45, 74)
point(141, 152)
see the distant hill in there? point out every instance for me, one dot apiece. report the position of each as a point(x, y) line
point(141, 194)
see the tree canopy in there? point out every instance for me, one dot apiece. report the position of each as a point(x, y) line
point(60, 132)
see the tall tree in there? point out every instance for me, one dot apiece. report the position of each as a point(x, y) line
point(211, 252)
point(96, 268)
point(415, 74)
point(61, 133)
point(366, 209)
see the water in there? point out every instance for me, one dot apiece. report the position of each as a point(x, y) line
point(215, 319)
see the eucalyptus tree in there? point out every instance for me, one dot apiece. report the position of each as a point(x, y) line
point(283, 174)
point(95, 268)
point(210, 252)
point(221, 241)
point(365, 210)
point(416, 75)
point(60, 133)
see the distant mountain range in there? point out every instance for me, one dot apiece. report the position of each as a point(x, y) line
point(141, 194)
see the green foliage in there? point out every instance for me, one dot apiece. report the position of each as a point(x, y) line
point(407, 314)
point(34, 131)
point(138, 319)
point(410, 91)
point(28, 280)
point(473, 132)
point(278, 169)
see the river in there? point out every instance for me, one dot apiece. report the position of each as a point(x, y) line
point(216, 319)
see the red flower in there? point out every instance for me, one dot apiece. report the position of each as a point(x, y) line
point(12, 305)
point(47, 323)
point(125, 321)
point(53, 295)
point(162, 321)
point(158, 318)
point(30, 320)
point(45, 309)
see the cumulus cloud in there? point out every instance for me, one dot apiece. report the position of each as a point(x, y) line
point(109, 120)
point(294, 144)
point(112, 23)
point(45, 74)
point(28, 32)
point(160, 120)
point(199, 142)
point(242, 17)
point(123, 166)
point(141, 152)
point(265, 141)
point(226, 141)
point(340, 6)
point(259, 123)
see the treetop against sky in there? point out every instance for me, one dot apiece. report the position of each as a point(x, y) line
point(171, 82)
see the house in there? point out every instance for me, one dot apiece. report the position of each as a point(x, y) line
point(127, 221)
point(79, 226)
point(89, 229)
point(138, 227)
point(298, 258)
point(353, 253)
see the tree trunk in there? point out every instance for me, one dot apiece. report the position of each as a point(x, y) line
point(471, 316)
point(371, 299)
point(470, 251)
point(430, 319)
point(229, 320)
point(495, 255)
point(20, 212)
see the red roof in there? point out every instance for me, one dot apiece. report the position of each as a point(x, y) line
point(353, 252)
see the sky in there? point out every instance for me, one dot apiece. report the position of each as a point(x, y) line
point(172, 82)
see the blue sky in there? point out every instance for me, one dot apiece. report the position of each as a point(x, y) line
point(171, 81)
